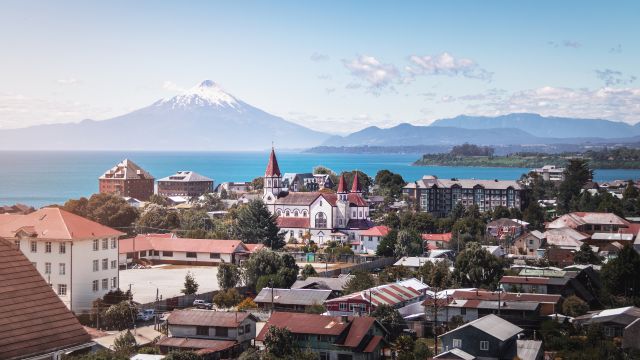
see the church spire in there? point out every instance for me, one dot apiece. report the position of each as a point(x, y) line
point(356, 188)
point(272, 167)
point(341, 185)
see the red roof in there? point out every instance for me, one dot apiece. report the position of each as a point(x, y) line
point(379, 230)
point(272, 167)
point(446, 237)
point(254, 247)
point(356, 184)
point(206, 346)
point(341, 185)
point(56, 224)
point(144, 242)
point(196, 317)
point(293, 222)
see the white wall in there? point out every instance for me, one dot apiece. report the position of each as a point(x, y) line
point(83, 275)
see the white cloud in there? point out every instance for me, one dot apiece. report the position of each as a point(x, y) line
point(68, 81)
point(319, 57)
point(613, 77)
point(566, 43)
point(446, 64)
point(373, 72)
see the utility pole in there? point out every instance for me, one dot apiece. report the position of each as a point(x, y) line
point(435, 322)
point(155, 311)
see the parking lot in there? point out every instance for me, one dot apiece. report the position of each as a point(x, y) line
point(168, 279)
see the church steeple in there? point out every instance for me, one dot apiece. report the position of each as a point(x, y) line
point(272, 166)
point(356, 188)
point(272, 176)
point(342, 192)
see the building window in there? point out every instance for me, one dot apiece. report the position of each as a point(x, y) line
point(343, 306)
point(105, 244)
point(63, 248)
point(105, 284)
point(202, 330)
point(34, 246)
point(94, 285)
point(324, 356)
point(105, 264)
point(47, 247)
point(96, 265)
point(214, 256)
point(114, 282)
point(484, 345)
point(167, 253)
point(114, 264)
point(62, 289)
point(17, 243)
point(463, 311)
point(304, 213)
point(114, 243)
point(222, 331)
point(287, 213)
point(321, 220)
point(457, 343)
point(240, 330)
point(143, 253)
point(95, 245)
point(47, 268)
point(192, 255)
point(247, 328)
point(62, 269)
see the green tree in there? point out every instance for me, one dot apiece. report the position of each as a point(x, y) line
point(266, 265)
point(574, 306)
point(212, 202)
point(390, 318)
point(307, 271)
point(500, 212)
point(586, 256)
point(361, 280)
point(195, 219)
point(389, 184)
point(421, 349)
point(437, 274)
point(106, 209)
point(228, 276)
point(408, 243)
point(576, 175)
point(227, 298)
point(190, 284)
point(534, 215)
point(158, 200)
point(257, 183)
point(250, 354)
point(315, 309)
point(403, 347)
point(156, 217)
point(620, 275)
point(279, 342)
point(631, 191)
point(256, 225)
point(182, 355)
point(387, 244)
point(120, 316)
point(476, 267)
point(125, 344)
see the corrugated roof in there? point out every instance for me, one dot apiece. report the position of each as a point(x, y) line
point(335, 284)
point(203, 344)
point(446, 237)
point(456, 354)
point(40, 325)
point(145, 242)
point(293, 296)
point(576, 219)
point(185, 176)
point(197, 317)
point(493, 325)
point(390, 294)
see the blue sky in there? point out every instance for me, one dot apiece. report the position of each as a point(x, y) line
point(336, 66)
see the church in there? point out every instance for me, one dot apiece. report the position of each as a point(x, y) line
point(336, 216)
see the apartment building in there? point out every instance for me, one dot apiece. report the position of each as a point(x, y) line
point(127, 179)
point(185, 183)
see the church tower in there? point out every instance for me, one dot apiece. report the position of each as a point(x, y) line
point(272, 176)
point(342, 192)
point(356, 187)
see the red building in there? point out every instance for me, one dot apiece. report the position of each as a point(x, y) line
point(127, 179)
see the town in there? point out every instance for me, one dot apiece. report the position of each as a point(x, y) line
point(325, 266)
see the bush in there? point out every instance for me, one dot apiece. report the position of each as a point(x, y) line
point(574, 306)
point(227, 298)
point(247, 304)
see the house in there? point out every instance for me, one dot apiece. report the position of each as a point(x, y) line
point(76, 256)
point(550, 173)
point(560, 244)
point(436, 241)
point(590, 222)
point(36, 324)
point(396, 295)
point(211, 334)
point(620, 322)
point(19, 209)
point(440, 196)
point(316, 213)
point(528, 244)
point(332, 337)
point(336, 285)
point(300, 182)
point(183, 251)
point(127, 179)
point(324, 181)
point(368, 240)
point(234, 187)
point(505, 228)
point(414, 263)
point(290, 299)
point(494, 250)
point(185, 183)
point(489, 337)
point(133, 202)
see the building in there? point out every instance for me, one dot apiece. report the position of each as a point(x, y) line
point(621, 322)
point(414, 263)
point(439, 196)
point(368, 240)
point(505, 228)
point(316, 213)
point(550, 173)
point(291, 299)
point(185, 183)
point(336, 285)
point(528, 244)
point(234, 187)
point(590, 222)
point(183, 251)
point(36, 324)
point(127, 179)
point(211, 334)
point(300, 182)
point(488, 337)
point(561, 244)
point(76, 256)
point(436, 241)
point(332, 337)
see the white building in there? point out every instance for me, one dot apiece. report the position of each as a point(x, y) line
point(76, 256)
point(550, 173)
point(368, 240)
point(318, 213)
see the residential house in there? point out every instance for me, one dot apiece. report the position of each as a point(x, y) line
point(324, 181)
point(36, 324)
point(290, 299)
point(185, 183)
point(299, 182)
point(77, 257)
point(620, 322)
point(183, 251)
point(436, 241)
point(414, 263)
point(127, 179)
point(489, 337)
point(550, 173)
point(560, 245)
point(234, 187)
point(503, 228)
point(440, 196)
point(368, 240)
point(336, 285)
point(528, 244)
point(332, 337)
point(211, 334)
point(590, 222)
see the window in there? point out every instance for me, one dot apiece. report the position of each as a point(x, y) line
point(343, 306)
point(62, 268)
point(247, 328)
point(304, 213)
point(95, 265)
point(95, 245)
point(105, 284)
point(214, 256)
point(241, 330)
point(167, 253)
point(222, 331)
point(287, 213)
point(321, 220)
point(94, 285)
point(114, 282)
point(143, 253)
point(484, 345)
point(202, 330)
point(34, 246)
point(296, 213)
point(463, 311)
point(457, 343)
point(63, 248)
point(47, 268)
point(155, 252)
point(47, 247)
point(105, 264)
point(114, 264)
point(17, 243)
point(105, 244)
point(324, 356)
point(114, 243)
point(192, 255)
point(62, 289)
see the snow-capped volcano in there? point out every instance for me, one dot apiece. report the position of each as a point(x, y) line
point(207, 93)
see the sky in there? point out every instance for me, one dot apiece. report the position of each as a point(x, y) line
point(334, 66)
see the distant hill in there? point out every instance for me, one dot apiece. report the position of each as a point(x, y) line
point(203, 118)
point(547, 127)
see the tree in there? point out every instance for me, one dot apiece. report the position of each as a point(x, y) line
point(125, 344)
point(631, 191)
point(120, 316)
point(534, 215)
point(390, 318)
point(228, 276)
point(408, 243)
point(437, 274)
point(403, 347)
point(212, 202)
point(182, 355)
point(476, 267)
point(574, 306)
point(250, 354)
point(387, 244)
point(389, 184)
point(576, 175)
point(315, 308)
point(620, 275)
point(265, 265)
point(500, 212)
point(279, 342)
point(227, 298)
point(361, 280)
point(190, 284)
point(158, 200)
point(247, 304)
point(256, 225)
point(106, 209)
point(307, 271)
point(156, 217)
point(586, 256)
point(257, 183)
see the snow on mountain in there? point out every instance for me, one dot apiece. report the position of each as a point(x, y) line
point(207, 93)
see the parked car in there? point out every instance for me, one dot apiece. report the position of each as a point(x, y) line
point(201, 304)
point(146, 314)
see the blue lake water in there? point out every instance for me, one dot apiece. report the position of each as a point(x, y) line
point(41, 178)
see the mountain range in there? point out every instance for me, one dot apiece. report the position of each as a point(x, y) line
point(206, 118)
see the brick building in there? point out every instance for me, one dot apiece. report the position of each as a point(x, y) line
point(185, 183)
point(127, 179)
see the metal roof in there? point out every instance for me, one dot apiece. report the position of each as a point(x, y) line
point(293, 296)
point(493, 325)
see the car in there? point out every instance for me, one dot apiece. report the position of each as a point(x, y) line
point(201, 304)
point(146, 314)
